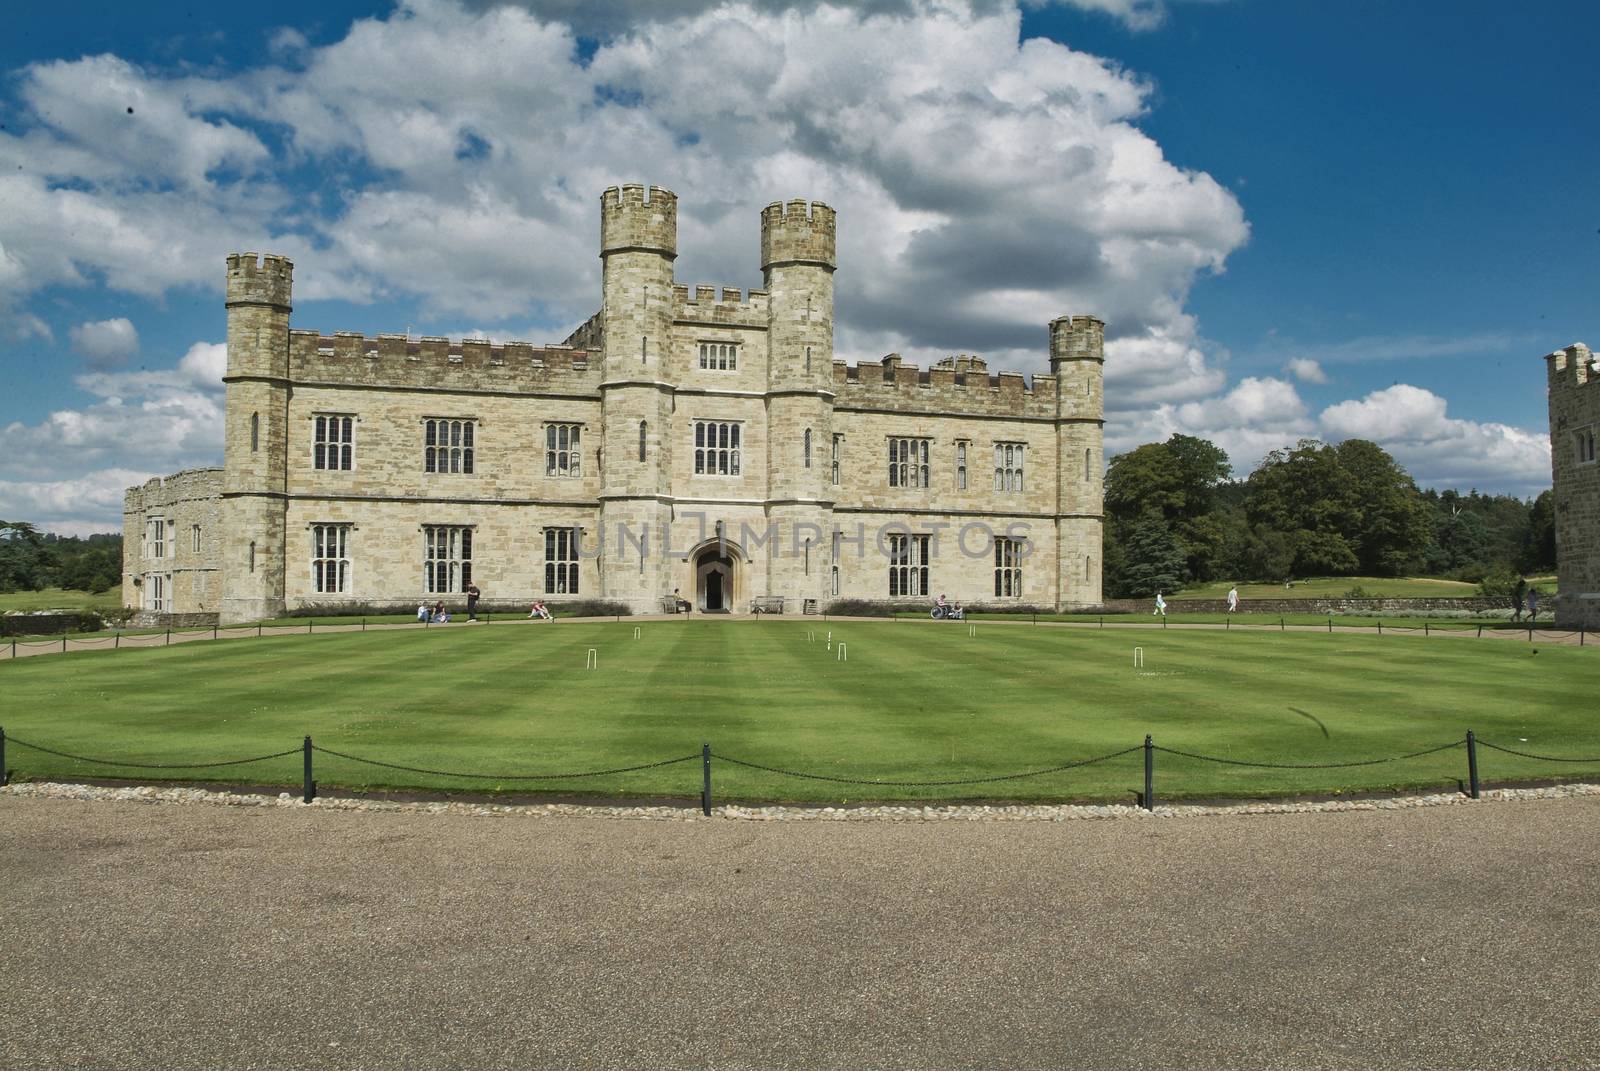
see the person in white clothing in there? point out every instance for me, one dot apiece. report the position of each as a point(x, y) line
point(1161, 605)
point(1233, 599)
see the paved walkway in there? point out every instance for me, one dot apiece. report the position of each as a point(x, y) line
point(161, 936)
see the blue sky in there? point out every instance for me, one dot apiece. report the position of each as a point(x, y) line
point(1299, 219)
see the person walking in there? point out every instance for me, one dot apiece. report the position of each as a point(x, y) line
point(472, 602)
point(1233, 599)
point(1533, 603)
point(1161, 605)
point(1518, 595)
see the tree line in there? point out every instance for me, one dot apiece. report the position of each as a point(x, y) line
point(31, 560)
point(1175, 516)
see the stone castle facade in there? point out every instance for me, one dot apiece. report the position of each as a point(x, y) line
point(1574, 379)
point(695, 440)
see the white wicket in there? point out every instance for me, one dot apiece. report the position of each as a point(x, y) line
point(842, 657)
point(636, 632)
point(1138, 658)
point(592, 659)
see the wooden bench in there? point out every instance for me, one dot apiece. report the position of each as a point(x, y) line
point(767, 604)
point(809, 606)
point(671, 604)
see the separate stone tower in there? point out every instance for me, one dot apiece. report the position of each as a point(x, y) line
point(1574, 382)
point(1077, 360)
point(638, 243)
point(797, 262)
point(256, 443)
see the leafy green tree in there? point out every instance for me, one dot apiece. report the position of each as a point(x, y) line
point(1394, 529)
point(1307, 493)
point(1539, 546)
point(1152, 560)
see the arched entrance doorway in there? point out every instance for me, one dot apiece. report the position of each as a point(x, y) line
point(715, 577)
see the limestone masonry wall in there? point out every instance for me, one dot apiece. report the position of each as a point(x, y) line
point(711, 424)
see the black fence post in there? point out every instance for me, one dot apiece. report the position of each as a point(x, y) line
point(310, 792)
point(2, 756)
point(310, 623)
point(1149, 773)
point(1472, 763)
point(1330, 626)
point(1480, 632)
point(169, 638)
point(363, 624)
point(63, 643)
point(116, 644)
point(213, 631)
point(13, 648)
point(705, 785)
point(1280, 625)
point(258, 630)
point(1380, 628)
point(1424, 628)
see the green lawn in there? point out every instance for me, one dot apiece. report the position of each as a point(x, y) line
point(912, 702)
point(1333, 587)
point(60, 599)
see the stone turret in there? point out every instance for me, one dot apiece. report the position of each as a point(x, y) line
point(1077, 361)
point(1574, 385)
point(255, 449)
point(638, 243)
point(798, 261)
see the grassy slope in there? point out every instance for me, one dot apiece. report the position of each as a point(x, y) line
point(1377, 587)
point(913, 702)
point(59, 599)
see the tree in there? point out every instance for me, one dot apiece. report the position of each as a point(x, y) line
point(1151, 559)
point(1539, 547)
point(1178, 480)
point(1395, 528)
point(1307, 494)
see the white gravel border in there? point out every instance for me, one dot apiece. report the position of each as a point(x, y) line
point(898, 813)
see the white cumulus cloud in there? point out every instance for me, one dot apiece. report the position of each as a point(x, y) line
point(1306, 370)
point(106, 343)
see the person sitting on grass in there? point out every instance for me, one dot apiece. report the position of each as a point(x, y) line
point(440, 616)
point(540, 611)
point(423, 613)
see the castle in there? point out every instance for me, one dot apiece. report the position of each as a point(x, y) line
point(682, 440)
point(1574, 427)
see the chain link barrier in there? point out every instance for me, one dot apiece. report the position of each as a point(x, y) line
point(502, 777)
point(928, 784)
point(1310, 765)
point(1528, 754)
point(152, 765)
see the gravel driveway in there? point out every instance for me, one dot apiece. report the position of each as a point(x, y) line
point(146, 935)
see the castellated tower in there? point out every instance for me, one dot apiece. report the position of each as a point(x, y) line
point(797, 262)
point(256, 436)
point(1574, 381)
point(638, 243)
point(1077, 360)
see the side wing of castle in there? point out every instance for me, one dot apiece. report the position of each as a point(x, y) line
point(683, 440)
point(1574, 428)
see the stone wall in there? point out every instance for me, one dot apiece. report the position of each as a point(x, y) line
point(632, 374)
point(1574, 384)
point(190, 504)
point(1307, 606)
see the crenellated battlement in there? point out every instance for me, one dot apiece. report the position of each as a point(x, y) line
point(393, 360)
point(732, 306)
point(960, 385)
point(257, 280)
point(1077, 338)
point(798, 232)
point(636, 217)
point(1572, 368)
point(182, 486)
